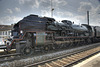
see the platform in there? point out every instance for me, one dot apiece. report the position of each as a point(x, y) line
point(93, 61)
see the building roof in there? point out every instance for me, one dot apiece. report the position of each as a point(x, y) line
point(5, 27)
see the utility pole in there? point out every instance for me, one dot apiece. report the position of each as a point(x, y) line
point(52, 9)
point(88, 17)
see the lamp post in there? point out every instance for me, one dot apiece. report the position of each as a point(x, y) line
point(52, 9)
point(88, 17)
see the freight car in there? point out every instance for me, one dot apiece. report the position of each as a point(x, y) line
point(44, 33)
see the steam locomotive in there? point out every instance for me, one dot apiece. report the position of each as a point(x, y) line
point(44, 33)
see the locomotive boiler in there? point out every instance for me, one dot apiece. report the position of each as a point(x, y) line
point(43, 33)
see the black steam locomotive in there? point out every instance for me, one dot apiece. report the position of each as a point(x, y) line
point(44, 33)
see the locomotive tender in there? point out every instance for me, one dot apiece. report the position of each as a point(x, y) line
point(44, 33)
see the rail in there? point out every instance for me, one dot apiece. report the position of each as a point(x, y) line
point(67, 59)
point(2, 57)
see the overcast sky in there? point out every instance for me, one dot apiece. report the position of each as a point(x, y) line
point(11, 11)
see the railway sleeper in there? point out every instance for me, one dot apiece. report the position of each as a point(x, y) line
point(60, 62)
point(54, 64)
point(76, 57)
point(45, 65)
point(67, 60)
point(71, 59)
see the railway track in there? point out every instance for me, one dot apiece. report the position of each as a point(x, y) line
point(16, 60)
point(68, 59)
point(9, 57)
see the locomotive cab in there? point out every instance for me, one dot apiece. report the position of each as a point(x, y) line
point(15, 31)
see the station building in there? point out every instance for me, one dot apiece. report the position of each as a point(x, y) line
point(5, 30)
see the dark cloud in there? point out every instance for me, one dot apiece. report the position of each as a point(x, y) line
point(99, 0)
